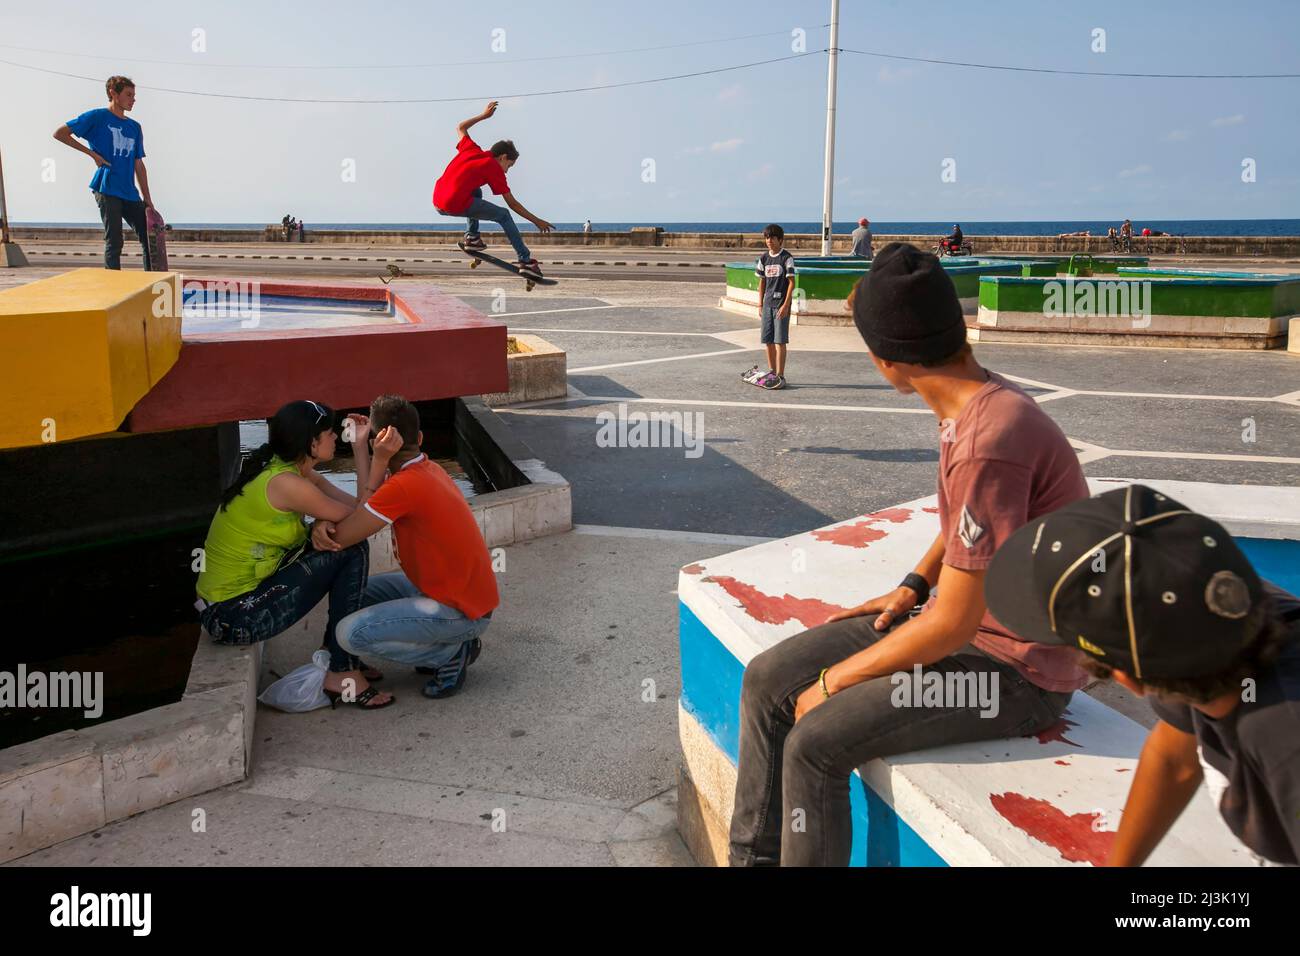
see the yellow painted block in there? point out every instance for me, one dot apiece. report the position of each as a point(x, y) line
point(79, 350)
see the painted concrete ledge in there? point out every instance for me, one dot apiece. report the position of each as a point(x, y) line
point(539, 371)
point(76, 781)
point(1051, 798)
point(1166, 331)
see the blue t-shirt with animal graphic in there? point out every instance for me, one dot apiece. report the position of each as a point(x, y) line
point(121, 142)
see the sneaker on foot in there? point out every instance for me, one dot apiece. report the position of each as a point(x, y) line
point(450, 677)
point(473, 242)
point(768, 380)
point(475, 648)
point(531, 267)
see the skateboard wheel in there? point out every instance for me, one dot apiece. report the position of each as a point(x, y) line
point(474, 263)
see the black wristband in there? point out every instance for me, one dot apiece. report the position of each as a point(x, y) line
point(918, 584)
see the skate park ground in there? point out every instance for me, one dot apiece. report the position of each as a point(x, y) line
point(557, 725)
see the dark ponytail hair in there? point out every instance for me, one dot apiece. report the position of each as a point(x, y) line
point(290, 432)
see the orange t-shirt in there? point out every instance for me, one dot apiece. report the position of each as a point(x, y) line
point(438, 542)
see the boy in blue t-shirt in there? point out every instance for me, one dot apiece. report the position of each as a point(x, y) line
point(117, 147)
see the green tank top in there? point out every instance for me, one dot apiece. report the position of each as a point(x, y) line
point(248, 539)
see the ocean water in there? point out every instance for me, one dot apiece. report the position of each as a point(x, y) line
point(1189, 227)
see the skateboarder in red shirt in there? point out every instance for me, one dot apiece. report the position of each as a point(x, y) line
point(459, 191)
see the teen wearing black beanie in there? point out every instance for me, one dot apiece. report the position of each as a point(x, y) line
point(1002, 463)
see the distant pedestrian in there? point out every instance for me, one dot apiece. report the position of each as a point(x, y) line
point(302, 231)
point(862, 240)
point(586, 231)
point(111, 133)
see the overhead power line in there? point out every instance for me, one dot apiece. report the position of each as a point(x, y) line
point(1032, 69)
point(497, 60)
point(435, 99)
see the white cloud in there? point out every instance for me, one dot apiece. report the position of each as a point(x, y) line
point(890, 75)
point(1177, 136)
point(721, 146)
point(762, 172)
point(1135, 171)
point(1235, 120)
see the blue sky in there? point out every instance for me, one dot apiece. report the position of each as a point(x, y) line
point(743, 145)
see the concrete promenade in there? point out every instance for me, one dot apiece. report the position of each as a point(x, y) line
point(566, 729)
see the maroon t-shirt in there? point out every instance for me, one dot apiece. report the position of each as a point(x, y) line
point(1002, 463)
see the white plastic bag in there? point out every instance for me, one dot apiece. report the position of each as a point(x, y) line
point(302, 689)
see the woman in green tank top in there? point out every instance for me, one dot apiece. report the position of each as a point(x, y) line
point(261, 574)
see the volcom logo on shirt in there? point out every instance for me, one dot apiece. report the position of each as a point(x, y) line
point(773, 269)
point(968, 529)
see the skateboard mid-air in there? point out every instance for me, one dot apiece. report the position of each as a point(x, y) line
point(477, 256)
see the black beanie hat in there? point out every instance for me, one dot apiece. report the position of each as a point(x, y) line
point(906, 307)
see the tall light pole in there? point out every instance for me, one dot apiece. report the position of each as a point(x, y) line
point(829, 187)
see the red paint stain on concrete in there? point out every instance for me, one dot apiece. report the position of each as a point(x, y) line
point(862, 532)
point(1124, 770)
point(769, 609)
point(1057, 731)
point(1063, 763)
point(931, 510)
point(1071, 835)
point(693, 569)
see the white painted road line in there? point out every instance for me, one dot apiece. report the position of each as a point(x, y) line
point(657, 534)
point(631, 400)
point(672, 358)
point(707, 335)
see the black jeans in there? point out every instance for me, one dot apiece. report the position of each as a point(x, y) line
point(112, 210)
point(792, 786)
point(288, 595)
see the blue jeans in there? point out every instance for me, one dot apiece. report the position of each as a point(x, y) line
point(398, 623)
point(480, 208)
point(288, 595)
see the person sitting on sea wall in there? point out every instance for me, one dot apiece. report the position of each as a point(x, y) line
point(819, 704)
point(861, 239)
point(261, 572)
point(431, 613)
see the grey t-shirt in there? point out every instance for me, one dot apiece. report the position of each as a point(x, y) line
point(777, 270)
point(861, 242)
point(1251, 757)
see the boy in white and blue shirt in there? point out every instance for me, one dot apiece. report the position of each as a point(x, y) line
point(775, 271)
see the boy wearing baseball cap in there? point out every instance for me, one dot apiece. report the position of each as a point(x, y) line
point(1161, 599)
point(817, 706)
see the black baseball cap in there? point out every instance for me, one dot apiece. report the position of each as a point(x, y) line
point(1134, 579)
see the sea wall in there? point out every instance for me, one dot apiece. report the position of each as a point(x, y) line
point(1243, 246)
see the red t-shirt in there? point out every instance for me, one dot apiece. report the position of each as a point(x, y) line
point(469, 169)
point(438, 542)
point(1002, 463)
